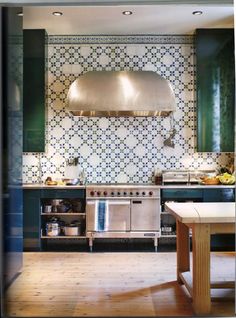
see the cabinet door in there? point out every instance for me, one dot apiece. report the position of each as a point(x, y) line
point(181, 195)
point(215, 90)
point(31, 219)
point(63, 194)
point(218, 195)
point(221, 242)
point(11, 86)
point(34, 91)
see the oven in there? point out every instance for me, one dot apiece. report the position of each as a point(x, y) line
point(145, 215)
point(108, 215)
point(122, 211)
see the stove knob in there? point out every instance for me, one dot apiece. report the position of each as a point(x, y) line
point(118, 193)
point(137, 193)
point(105, 192)
point(143, 193)
point(150, 193)
point(98, 193)
point(125, 193)
point(112, 193)
point(92, 193)
point(131, 193)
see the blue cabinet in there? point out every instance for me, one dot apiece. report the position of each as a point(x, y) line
point(218, 241)
point(11, 65)
point(35, 217)
point(221, 241)
point(31, 220)
point(219, 195)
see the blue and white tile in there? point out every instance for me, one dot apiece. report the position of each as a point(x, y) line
point(107, 146)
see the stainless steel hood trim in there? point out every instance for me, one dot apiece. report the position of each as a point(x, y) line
point(120, 93)
point(95, 113)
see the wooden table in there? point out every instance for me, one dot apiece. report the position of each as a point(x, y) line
point(204, 219)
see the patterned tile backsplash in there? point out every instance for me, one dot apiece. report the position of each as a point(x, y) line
point(125, 149)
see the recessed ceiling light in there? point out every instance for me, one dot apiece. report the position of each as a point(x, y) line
point(197, 12)
point(57, 13)
point(20, 14)
point(127, 12)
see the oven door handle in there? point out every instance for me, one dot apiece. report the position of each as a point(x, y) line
point(137, 202)
point(118, 202)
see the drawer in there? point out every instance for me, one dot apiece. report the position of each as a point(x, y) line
point(176, 194)
point(63, 194)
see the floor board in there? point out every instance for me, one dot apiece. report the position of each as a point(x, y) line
point(109, 284)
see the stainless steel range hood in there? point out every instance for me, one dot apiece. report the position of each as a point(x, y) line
point(120, 93)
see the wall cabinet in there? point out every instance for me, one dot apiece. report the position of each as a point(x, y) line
point(215, 90)
point(35, 57)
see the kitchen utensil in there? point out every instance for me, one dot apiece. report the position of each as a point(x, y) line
point(47, 209)
point(76, 206)
point(72, 162)
point(211, 181)
point(158, 176)
point(71, 181)
point(169, 141)
point(56, 202)
point(53, 227)
point(73, 229)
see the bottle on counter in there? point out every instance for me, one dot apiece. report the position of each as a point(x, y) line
point(158, 176)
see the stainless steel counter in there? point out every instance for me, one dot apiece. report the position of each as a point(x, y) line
point(184, 186)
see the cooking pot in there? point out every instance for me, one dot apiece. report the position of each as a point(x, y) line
point(63, 207)
point(76, 206)
point(53, 227)
point(73, 229)
point(47, 208)
point(60, 206)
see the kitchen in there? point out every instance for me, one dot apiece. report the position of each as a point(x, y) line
point(122, 150)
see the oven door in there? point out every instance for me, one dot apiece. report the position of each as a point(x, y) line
point(145, 214)
point(108, 215)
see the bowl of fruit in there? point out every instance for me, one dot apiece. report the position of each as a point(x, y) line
point(226, 178)
point(210, 180)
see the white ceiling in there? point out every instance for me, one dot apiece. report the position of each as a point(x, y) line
point(148, 19)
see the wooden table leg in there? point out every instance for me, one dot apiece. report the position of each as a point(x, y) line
point(201, 269)
point(182, 242)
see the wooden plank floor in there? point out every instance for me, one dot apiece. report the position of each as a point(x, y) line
point(108, 284)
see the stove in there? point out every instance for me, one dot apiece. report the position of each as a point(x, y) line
point(122, 211)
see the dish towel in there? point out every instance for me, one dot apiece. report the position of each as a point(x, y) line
point(101, 218)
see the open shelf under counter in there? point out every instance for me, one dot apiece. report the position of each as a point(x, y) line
point(167, 235)
point(165, 213)
point(174, 235)
point(63, 237)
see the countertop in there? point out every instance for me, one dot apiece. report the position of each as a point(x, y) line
point(58, 187)
point(184, 186)
point(202, 212)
